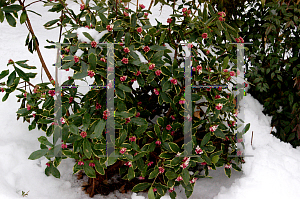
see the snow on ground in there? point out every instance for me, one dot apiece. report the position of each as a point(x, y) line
point(272, 172)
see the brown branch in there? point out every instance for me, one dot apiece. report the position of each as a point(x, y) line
point(31, 3)
point(37, 45)
point(151, 3)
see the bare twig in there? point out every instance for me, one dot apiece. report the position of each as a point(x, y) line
point(251, 138)
point(151, 3)
point(37, 45)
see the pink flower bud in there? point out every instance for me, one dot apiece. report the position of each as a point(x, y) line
point(123, 78)
point(142, 6)
point(71, 100)
point(169, 20)
point(82, 6)
point(64, 146)
point(179, 178)
point(80, 163)
point(126, 50)
point(219, 106)
point(109, 27)
point(158, 72)
point(91, 73)
point(158, 142)
point(168, 127)
point(152, 66)
point(83, 134)
point(98, 106)
point(132, 139)
point(103, 60)
point(91, 164)
point(150, 163)
point(123, 150)
point(94, 44)
point(204, 35)
point(161, 170)
point(137, 73)
point(125, 60)
point(156, 92)
point(139, 29)
point(28, 107)
point(146, 49)
point(125, 14)
point(232, 73)
point(76, 59)
point(48, 164)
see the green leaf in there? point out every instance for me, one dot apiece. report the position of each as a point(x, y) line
point(12, 8)
point(5, 97)
point(4, 74)
point(104, 20)
point(131, 173)
point(38, 154)
point(11, 78)
point(51, 23)
point(227, 172)
point(54, 171)
point(127, 39)
point(139, 121)
point(166, 86)
point(44, 140)
point(151, 193)
point(154, 173)
point(87, 148)
point(225, 62)
point(157, 57)
point(185, 176)
point(158, 48)
point(99, 168)
point(246, 128)
point(219, 133)
point(215, 159)
point(141, 187)
point(140, 130)
point(24, 65)
point(87, 35)
point(1, 16)
point(23, 17)
point(133, 20)
point(166, 71)
point(124, 88)
point(166, 97)
point(92, 61)
point(174, 147)
point(86, 121)
point(205, 139)
point(279, 78)
point(171, 175)
point(123, 136)
point(21, 74)
point(89, 171)
point(44, 121)
point(112, 159)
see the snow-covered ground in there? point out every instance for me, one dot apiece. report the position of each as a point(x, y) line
point(273, 170)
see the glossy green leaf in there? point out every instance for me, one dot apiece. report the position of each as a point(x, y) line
point(89, 171)
point(141, 187)
point(38, 154)
point(87, 148)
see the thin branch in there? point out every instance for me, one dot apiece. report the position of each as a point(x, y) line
point(37, 46)
point(31, 3)
point(151, 3)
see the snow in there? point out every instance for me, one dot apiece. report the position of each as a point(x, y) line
point(273, 170)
